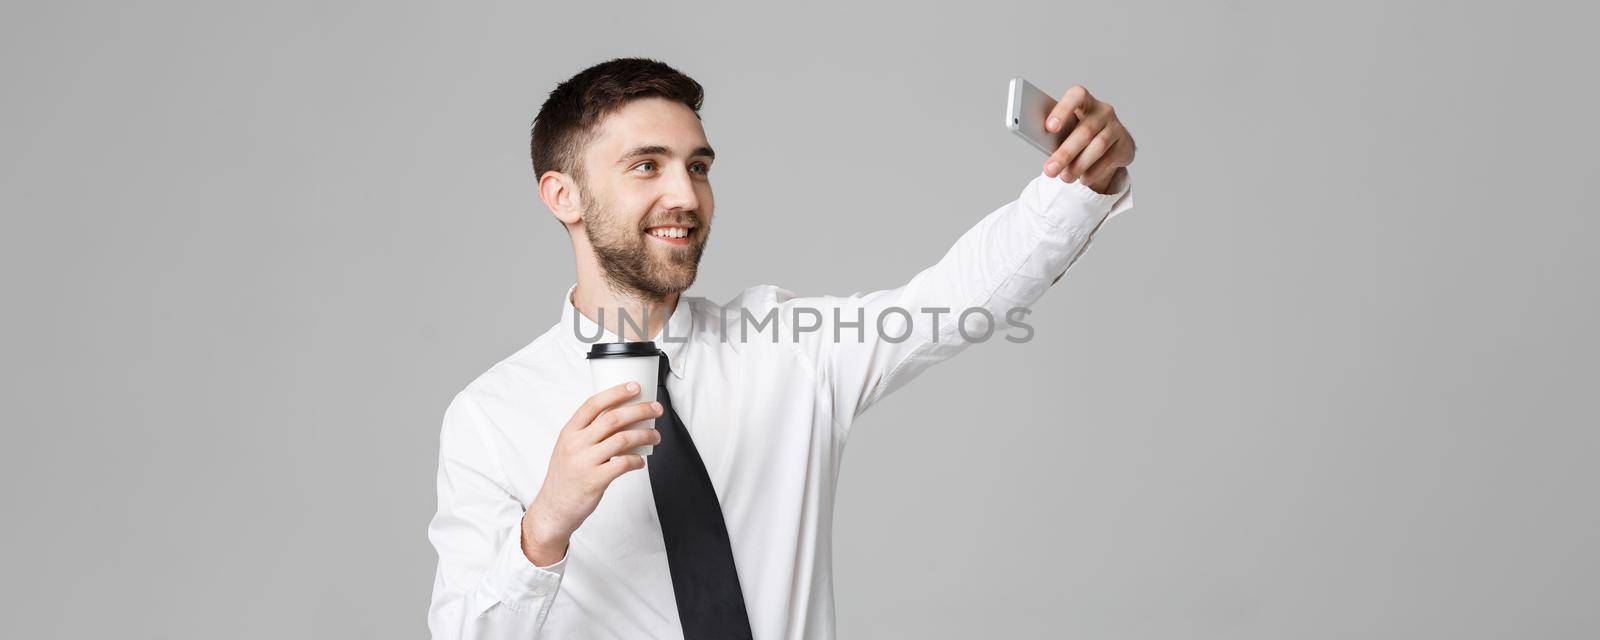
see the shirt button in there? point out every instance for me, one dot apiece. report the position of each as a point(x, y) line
point(538, 591)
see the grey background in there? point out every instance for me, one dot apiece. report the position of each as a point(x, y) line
point(1333, 378)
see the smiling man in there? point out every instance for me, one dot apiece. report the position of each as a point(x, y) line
point(543, 530)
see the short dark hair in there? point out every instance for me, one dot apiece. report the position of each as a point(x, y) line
point(569, 118)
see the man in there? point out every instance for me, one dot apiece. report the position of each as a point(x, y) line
point(542, 528)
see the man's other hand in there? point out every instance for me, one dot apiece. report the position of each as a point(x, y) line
point(590, 452)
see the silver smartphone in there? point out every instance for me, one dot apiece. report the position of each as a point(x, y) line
point(1026, 110)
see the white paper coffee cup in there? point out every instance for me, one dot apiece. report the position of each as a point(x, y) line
point(613, 363)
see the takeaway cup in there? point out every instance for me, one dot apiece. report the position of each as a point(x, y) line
point(613, 363)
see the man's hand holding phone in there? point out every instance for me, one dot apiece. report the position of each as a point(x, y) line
point(1097, 146)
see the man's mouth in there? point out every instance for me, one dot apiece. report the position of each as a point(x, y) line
point(672, 235)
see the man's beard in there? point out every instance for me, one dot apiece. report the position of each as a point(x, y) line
point(629, 265)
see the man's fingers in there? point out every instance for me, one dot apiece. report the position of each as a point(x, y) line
point(1080, 137)
point(1066, 109)
point(1096, 149)
point(622, 441)
point(591, 408)
point(1115, 158)
point(619, 465)
point(615, 419)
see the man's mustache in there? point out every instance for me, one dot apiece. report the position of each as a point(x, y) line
point(692, 220)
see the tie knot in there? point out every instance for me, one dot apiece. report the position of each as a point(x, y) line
point(664, 371)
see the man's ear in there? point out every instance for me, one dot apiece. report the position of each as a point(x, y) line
point(560, 195)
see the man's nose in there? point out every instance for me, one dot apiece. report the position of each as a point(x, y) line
point(680, 193)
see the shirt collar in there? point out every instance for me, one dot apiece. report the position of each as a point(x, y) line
point(678, 327)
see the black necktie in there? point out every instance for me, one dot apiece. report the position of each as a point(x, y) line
point(710, 602)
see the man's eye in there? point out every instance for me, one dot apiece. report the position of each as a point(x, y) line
point(704, 168)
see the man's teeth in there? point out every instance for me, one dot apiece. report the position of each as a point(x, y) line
point(669, 232)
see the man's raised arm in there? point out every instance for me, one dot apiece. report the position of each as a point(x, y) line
point(978, 291)
point(984, 285)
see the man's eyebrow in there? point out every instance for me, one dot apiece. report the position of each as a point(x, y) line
point(658, 150)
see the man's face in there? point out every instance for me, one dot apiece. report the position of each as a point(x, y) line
point(645, 184)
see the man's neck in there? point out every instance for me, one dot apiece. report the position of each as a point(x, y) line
point(601, 304)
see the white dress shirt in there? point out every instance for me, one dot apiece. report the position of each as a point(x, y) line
point(769, 413)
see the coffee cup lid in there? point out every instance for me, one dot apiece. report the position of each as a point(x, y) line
point(623, 350)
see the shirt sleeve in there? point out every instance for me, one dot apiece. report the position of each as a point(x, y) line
point(980, 290)
point(484, 586)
